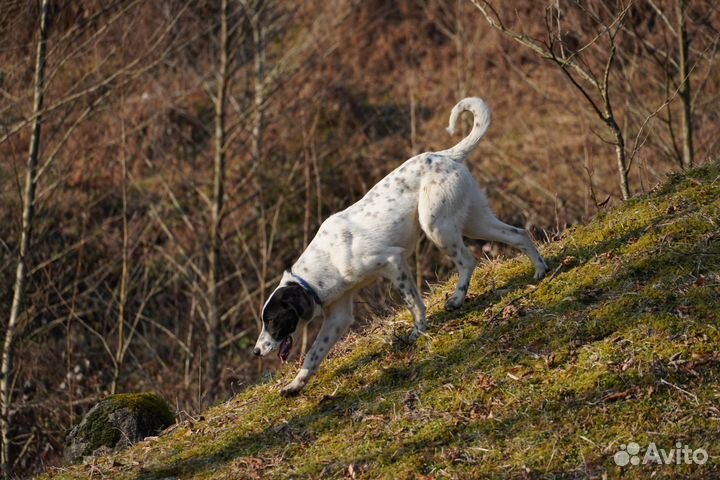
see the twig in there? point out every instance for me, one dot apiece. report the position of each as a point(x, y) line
point(691, 395)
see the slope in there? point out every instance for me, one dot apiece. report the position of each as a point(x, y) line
point(620, 344)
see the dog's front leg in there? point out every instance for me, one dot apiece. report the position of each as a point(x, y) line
point(398, 272)
point(338, 320)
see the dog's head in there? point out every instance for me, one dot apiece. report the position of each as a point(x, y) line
point(286, 307)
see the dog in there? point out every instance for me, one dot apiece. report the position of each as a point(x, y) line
point(374, 238)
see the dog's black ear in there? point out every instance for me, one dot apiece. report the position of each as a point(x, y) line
point(287, 306)
point(295, 297)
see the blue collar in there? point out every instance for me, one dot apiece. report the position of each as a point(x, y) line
point(307, 287)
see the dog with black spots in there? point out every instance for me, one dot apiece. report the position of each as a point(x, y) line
point(433, 192)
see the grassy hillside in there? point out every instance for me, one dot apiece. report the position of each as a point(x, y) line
point(619, 344)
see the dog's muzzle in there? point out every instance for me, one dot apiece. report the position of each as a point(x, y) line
point(266, 344)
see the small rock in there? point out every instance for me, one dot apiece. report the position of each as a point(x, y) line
point(117, 422)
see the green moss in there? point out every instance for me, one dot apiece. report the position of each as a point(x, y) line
point(153, 414)
point(151, 408)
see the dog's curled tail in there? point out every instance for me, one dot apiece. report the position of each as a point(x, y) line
point(481, 122)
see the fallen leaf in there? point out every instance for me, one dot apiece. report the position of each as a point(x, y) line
point(485, 382)
point(550, 360)
point(616, 396)
point(569, 261)
point(511, 311)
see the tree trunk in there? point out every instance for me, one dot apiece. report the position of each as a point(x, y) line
point(685, 96)
point(213, 320)
point(256, 23)
point(306, 228)
point(259, 55)
point(6, 377)
point(125, 273)
point(621, 159)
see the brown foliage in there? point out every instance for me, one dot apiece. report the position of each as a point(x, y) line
point(345, 81)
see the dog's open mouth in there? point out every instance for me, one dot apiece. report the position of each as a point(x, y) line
point(284, 349)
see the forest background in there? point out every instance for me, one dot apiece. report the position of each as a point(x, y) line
point(161, 163)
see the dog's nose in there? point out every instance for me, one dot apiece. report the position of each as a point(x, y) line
point(256, 351)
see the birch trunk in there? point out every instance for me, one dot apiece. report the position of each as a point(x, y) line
point(216, 212)
point(6, 373)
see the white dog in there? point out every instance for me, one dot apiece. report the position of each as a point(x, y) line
point(374, 238)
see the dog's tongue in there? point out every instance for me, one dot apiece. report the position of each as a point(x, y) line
point(284, 350)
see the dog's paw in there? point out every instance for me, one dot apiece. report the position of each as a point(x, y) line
point(412, 338)
point(453, 304)
point(292, 389)
point(541, 271)
point(417, 333)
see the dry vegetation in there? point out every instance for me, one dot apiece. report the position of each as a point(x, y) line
point(186, 155)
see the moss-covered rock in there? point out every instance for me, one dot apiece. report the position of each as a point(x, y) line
point(118, 421)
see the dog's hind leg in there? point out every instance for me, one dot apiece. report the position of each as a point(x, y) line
point(338, 320)
point(446, 235)
point(442, 207)
point(397, 271)
point(482, 223)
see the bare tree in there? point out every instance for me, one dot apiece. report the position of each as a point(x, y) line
point(595, 89)
point(125, 273)
point(216, 211)
point(685, 95)
point(255, 13)
point(6, 372)
point(675, 65)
